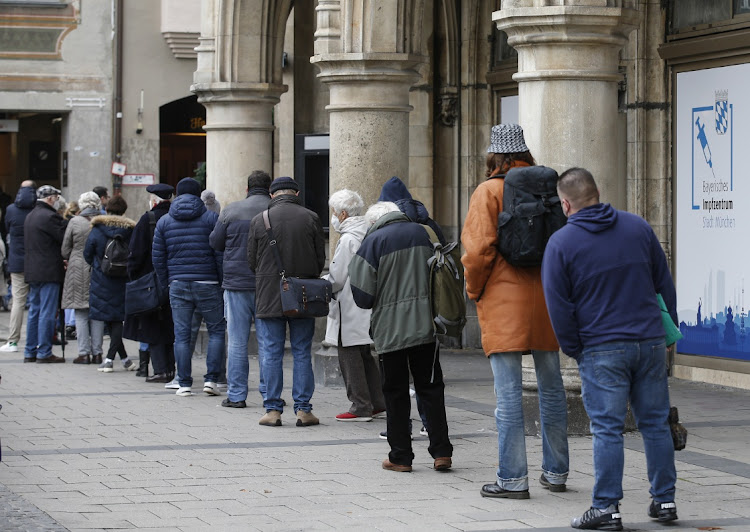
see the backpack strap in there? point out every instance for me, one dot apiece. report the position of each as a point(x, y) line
point(272, 242)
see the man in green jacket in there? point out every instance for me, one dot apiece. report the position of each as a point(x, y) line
point(389, 274)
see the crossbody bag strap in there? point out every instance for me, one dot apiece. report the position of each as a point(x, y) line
point(272, 242)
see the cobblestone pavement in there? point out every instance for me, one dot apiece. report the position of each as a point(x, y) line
point(83, 450)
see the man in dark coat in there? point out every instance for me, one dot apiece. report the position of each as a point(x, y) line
point(300, 242)
point(184, 261)
point(154, 329)
point(230, 237)
point(14, 219)
point(43, 232)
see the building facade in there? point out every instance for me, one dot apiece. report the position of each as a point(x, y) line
point(343, 93)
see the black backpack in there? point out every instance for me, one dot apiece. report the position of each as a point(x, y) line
point(531, 213)
point(115, 259)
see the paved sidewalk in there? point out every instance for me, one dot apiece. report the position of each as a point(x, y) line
point(83, 450)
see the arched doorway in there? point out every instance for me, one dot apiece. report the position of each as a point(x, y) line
point(182, 139)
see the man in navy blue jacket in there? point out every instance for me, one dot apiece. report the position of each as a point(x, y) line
point(230, 237)
point(601, 273)
point(184, 261)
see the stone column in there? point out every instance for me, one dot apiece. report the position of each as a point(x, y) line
point(239, 134)
point(568, 71)
point(368, 58)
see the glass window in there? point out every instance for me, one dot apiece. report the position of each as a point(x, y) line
point(688, 13)
point(502, 50)
point(741, 6)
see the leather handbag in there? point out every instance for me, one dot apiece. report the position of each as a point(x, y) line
point(145, 294)
point(677, 430)
point(300, 298)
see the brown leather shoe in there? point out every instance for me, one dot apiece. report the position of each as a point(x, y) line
point(443, 463)
point(390, 466)
point(82, 359)
point(96, 359)
point(272, 418)
point(52, 359)
point(306, 419)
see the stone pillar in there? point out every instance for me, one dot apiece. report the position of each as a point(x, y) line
point(568, 71)
point(239, 134)
point(368, 58)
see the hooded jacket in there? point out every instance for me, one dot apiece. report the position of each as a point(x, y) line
point(14, 218)
point(395, 190)
point(181, 250)
point(43, 232)
point(344, 316)
point(389, 274)
point(301, 244)
point(78, 273)
point(230, 237)
point(106, 294)
point(601, 273)
point(510, 301)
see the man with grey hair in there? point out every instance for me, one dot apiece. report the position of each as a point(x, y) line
point(299, 240)
point(230, 236)
point(390, 275)
point(43, 231)
point(348, 325)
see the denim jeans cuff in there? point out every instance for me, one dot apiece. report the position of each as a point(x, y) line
point(555, 478)
point(514, 484)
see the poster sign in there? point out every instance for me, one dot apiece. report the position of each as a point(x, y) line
point(712, 211)
point(137, 179)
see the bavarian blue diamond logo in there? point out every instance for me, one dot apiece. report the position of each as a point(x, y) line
point(721, 110)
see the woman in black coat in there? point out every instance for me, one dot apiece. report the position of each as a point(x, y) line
point(154, 330)
point(107, 293)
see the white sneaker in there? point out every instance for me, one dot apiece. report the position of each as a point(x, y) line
point(106, 366)
point(10, 347)
point(174, 385)
point(222, 386)
point(184, 391)
point(211, 388)
point(128, 365)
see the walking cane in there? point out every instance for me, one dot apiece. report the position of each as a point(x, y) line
point(61, 324)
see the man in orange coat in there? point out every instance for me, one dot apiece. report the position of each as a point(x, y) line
point(513, 319)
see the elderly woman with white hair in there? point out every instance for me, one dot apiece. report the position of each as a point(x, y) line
point(348, 325)
point(78, 275)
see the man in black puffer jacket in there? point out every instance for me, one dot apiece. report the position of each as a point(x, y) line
point(43, 232)
point(300, 241)
point(14, 219)
point(184, 261)
point(230, 236)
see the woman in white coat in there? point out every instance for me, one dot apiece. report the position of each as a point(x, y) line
point(348, 325)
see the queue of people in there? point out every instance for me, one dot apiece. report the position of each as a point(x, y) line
point(222, 267)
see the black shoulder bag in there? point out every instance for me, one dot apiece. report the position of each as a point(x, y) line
point(300, 298)
point(145, 294)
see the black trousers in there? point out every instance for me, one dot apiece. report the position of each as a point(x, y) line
point(162, 358)
point(424, 363)
point(116, 346)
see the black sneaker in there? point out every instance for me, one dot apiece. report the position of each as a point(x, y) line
point(596, 519)
point(662, 511)
point(233, 404)
point(557, 488)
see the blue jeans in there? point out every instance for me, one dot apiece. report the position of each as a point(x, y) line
point(613, 374)
point(271, 334)
point(240, 312)
point(40, 324)
point(186, 297)
point(513, 474)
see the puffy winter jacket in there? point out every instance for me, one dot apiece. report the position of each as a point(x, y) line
point(14, 219)
point(106, 294)
point(181, 250)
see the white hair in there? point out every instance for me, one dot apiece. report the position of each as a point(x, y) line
point(155, 200)
point(346, 200)
point(378, 210)
point(89, 200)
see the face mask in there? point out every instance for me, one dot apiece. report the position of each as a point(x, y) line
point(335, 224)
